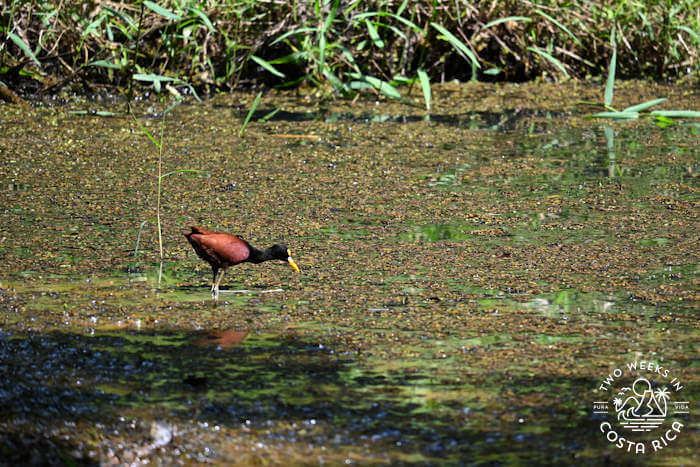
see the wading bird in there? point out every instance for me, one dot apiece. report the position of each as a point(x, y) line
point(222, 250)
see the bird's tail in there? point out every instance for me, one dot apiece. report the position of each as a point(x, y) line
point(198, 230)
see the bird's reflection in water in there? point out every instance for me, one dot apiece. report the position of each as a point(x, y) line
point(224, 339)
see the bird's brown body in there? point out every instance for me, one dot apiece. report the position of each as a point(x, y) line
point(219, 249)
point(222, 250)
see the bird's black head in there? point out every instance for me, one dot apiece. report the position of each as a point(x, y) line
point(282, 252)
point(279, 252)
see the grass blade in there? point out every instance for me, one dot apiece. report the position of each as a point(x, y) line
point(122, 16)
point(559, 25)
point(164, 12)
point(505, 20)
point(105, 64)
point(644, 105)
point(93, 26)
point(382, 86)
point(293, 32)
point(374, 35)
point(663, 122)
point(268, 116)
point(360, 85)
point(153, 78)
point(690, 32)
point(145, 131)
point(349, 57)
point(402, 7)
point(396, 31)
point(617, 115)
point(336, 82)
point(457, 44)
point(677, 113)
point(403, 20)
point(610, 84)
point(250, 114)
point(202, 16)
point(551, 59)
point(268, 66)
point(323, 40)
point(425, 84)
point(321, 52)
point(158, 79)
point(25, 48)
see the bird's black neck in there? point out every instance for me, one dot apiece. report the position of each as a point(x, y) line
point(258, 256)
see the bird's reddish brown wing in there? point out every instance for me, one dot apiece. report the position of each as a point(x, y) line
point(199, 230)
point(228, 248)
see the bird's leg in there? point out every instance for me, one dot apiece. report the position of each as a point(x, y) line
point(213, 281)
point(216, 284)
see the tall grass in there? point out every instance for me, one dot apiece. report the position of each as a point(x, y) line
point(241, 132)
point(160, 144)
point(343, 47)
point(663, 117)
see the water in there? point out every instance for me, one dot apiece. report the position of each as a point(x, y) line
point(465, 288)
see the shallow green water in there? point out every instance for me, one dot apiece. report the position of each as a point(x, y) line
point(465, 288)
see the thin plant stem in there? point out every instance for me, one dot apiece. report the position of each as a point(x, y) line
point(160, 182)
point(132, 65)
point(160, 143)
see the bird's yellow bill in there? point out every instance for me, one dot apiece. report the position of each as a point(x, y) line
point(292, 263)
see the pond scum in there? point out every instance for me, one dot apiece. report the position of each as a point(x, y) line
point(467, 283)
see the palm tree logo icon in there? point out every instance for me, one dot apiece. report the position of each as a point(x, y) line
point(644, 409)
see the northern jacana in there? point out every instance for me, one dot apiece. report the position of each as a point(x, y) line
point(222, 250)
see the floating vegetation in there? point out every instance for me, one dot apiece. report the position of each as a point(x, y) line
point(462, 290)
